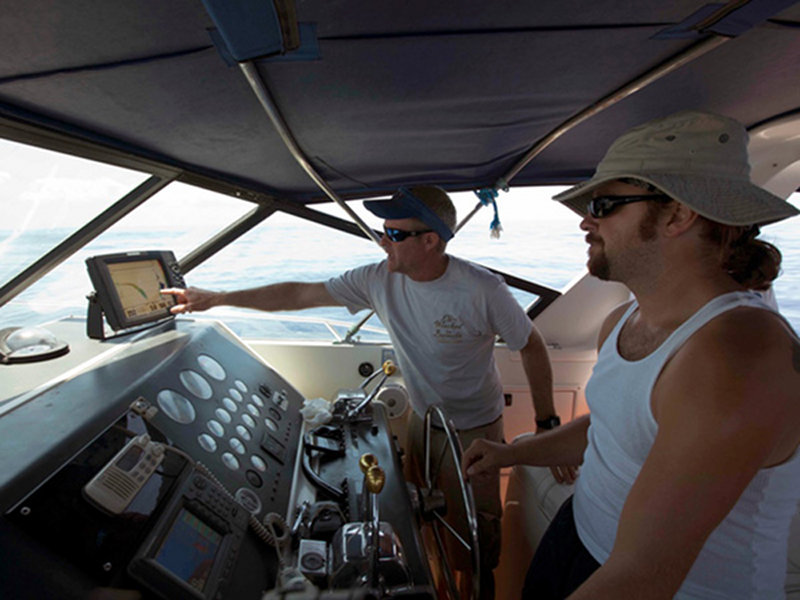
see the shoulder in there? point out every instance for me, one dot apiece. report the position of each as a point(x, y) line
point(465, 268)
point(364, 271)
point(744, 362)
point(474, 280)
point(611, 321)
point(357, 281)
point(746, 334)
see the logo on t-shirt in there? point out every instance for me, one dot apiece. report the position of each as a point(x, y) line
point(447, 330)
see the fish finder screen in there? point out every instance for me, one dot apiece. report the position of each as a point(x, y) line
point(189, 549)
point(139, 284)
point(128, 286)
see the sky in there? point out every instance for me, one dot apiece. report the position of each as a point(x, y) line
point(54, 190)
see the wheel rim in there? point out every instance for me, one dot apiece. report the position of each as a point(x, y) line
point(433, 462)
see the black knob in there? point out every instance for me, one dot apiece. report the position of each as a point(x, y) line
point(366, 369)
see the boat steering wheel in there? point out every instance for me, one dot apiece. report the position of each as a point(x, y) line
point(434, 507)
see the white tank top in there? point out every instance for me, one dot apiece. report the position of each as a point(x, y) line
point(745, 556)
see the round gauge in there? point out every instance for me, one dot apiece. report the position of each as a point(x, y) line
point(223, 415)
point(249, 500)
point(237, 445)
point(216, 428)
point(207, 443)
point(211, 367)
point(196, 384)
point(176, 406)
point(230, 461)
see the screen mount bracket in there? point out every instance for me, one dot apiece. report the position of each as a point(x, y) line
point(94, 318)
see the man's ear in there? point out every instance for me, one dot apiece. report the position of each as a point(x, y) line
point(680, 219)
point(431, 241)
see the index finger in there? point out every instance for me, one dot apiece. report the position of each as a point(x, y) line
point(172, 291)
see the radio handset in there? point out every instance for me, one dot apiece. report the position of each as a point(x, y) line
point(116, 484)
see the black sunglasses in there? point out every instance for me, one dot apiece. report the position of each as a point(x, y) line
point(602, 206)
point(398, 235)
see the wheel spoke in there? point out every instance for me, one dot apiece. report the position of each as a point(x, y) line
point(447, 569)
point(452, 531)
point(435, 474)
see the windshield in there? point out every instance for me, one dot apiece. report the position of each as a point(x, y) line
point(47, 196)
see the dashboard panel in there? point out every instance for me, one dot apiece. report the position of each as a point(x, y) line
point(219, 489)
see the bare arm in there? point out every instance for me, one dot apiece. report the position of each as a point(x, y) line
point(289, 295)
point(536, 362)
point(561, 446)
point(726, 405)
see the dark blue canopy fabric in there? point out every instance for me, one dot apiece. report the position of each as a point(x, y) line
point(452, 93)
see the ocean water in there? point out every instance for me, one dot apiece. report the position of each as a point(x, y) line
point(548, 252)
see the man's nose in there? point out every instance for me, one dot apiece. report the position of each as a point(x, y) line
point(588, 223)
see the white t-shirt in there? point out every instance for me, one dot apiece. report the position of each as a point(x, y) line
point(443, 333)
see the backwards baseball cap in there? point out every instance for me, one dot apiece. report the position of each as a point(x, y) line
point(429, 204)
point(697, 158)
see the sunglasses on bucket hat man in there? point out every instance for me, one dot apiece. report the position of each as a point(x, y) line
point(602, 206)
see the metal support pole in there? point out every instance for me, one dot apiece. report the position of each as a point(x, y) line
point(626, 90)
point(265, 98)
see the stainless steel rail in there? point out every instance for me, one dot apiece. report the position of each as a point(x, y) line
point(265, 98)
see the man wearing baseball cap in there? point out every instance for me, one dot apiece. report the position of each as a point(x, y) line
point(443, 315)
point(690, 470)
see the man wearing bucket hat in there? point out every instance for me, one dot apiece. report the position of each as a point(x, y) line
point(690, 464)
point(442, 314)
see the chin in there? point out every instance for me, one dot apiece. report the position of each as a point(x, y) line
point(599, 268)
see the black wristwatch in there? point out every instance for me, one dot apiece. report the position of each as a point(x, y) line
point(548, 423)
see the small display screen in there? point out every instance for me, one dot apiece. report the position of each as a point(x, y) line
point(189, 549)
point(128, 460)
point(138, 284)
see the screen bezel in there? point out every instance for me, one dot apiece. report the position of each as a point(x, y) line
point(108, 296)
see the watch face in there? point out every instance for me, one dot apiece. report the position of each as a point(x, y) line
point(548, 423)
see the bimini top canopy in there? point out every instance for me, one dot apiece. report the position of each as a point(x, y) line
point(379, 94)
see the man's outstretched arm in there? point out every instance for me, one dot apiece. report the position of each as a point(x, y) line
point(290, 295)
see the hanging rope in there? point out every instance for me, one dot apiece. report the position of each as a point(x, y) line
point(487, 196)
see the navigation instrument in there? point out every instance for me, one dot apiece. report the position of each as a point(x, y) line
point(128, 288)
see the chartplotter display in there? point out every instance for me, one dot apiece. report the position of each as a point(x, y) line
point(139, 284)
point(128, 286)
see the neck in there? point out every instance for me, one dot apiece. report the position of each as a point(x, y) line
point(431, 270)
point(671, 296)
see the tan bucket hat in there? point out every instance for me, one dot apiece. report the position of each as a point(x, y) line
point(697, 158)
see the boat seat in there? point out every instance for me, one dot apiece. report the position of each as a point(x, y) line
point(534, 497)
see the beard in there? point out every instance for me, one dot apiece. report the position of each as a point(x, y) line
point(598, 264)
point(600, 268)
